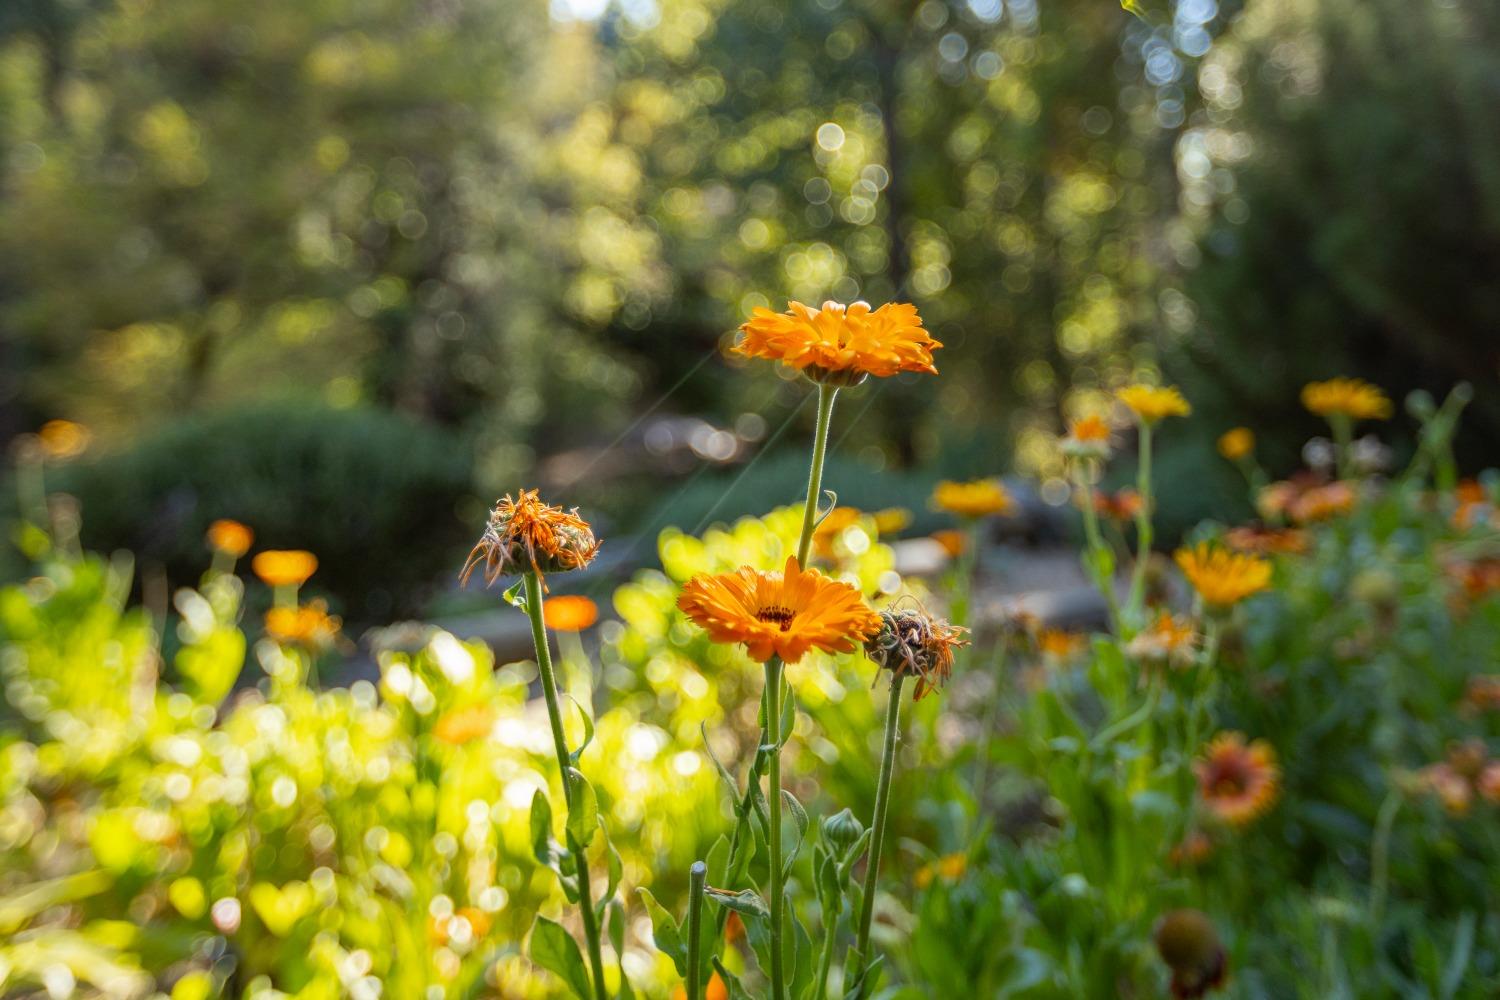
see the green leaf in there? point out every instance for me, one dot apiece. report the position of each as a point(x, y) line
point(583, 811)
point(734, 786)
point(863, 984)
point(515, 594)
point(555, 950)
point(547, 851)
point(588, 732)
point(665, 932)
point(746, 902)
point(20, 905)
point(799, 819)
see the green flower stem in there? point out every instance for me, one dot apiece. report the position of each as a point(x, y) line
point(560, 744)
point(826, 396)
point(1130, 722)
point(697, 875)
point(1380, 857)
point(1343, 441)
point(825, 954)
point(773, 731)
point(1143, 527)
point(1099, 548)
point(860, 956)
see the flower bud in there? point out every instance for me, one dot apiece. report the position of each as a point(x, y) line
point(842, 830)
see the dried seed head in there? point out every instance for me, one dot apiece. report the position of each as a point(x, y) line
point(1189, 944)
point(913, 643)
point(527, 535)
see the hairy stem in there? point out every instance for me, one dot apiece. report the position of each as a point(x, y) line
point(860, 956)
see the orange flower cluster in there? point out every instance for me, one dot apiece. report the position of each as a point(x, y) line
point(284, 567)
point(783, 614)
point(979, 498)
point(841, 344)
point(1237, 443)
point(527, 535)
point(571, 613)
point(230, 537)
point(1237, 782)
point(1088, 437)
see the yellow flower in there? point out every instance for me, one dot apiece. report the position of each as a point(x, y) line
point(1151, 403)
point(284, 567)
point(1237, 781)
point(1346, 397)
point(974, 499)
point(781, 614)
point(841, 344)
point(64, 439)
point(891, 520)
point(572, 613)
point(307, 625)
point(1088, 437)
point(1237, 443)
point(230, 537)
point(526, 534)
point(911, 642)
point(1223, 577)
point(1060, 643)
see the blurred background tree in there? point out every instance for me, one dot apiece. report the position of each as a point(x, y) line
point(530, 228)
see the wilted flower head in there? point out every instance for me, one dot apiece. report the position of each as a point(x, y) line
point(1237, 443)
point(1088, 437)
point(1189, 944)
point(781, 614)
point(1223, 577)
point(230, 537)
point(1260, 539)
point(910, 642)
point(1322, 503)
point(570, 613)
point(1124, 505)
point(1346, 397)
point(527, 535)
point(1237, 781)
point(838, 344)
point(284, 567)
point(1152, 403)
point(978, 498)
point(1169, 640)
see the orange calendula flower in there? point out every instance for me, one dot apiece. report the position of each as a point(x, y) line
point(1152, 403)
point(1189, 945)
point(833, 525)
point(1237, 443)
point(61, 439)
point(1237, 781)
point(950, 868)
point(953, 542)
point(840, 344)
point(979, 498)
point(527, 535)
point(1346, 397)
point(230, 537)
point(1262, 540)
point(1060, 643)
point(912, 643)
point(1088, 437)
point(572, 613)
point(781, 614)
point(1322, 503)
point(1223, 577)
point(1171, 640)
point(464, 725)
point(309, 625)
point(284, 567)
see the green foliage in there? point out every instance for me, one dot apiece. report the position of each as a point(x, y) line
point(357, 487)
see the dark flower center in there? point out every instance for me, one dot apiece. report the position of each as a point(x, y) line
point(779, 615)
